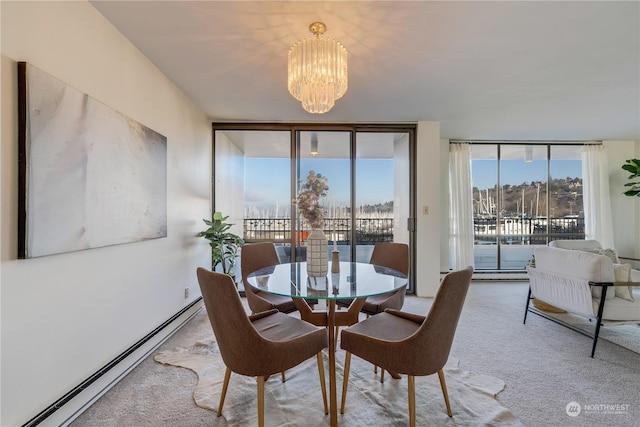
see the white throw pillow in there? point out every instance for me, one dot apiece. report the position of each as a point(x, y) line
point(622, 272)
point(611, 253)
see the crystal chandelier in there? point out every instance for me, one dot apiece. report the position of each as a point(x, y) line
point(317, 71)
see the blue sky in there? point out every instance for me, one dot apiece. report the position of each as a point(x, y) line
point(267, 180)
point(264, 179)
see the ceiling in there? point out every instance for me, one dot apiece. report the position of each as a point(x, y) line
point(512, 70)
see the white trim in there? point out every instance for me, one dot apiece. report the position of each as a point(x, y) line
point(81, 402)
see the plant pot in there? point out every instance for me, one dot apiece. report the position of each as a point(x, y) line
point(317, 254)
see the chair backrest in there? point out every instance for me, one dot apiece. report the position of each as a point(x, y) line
point(391, 255)
point(235, 335)
point(435, 336)
point(255, 256)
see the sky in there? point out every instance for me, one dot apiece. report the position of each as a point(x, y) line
point(267, 180)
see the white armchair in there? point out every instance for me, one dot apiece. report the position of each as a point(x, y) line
point(592, 246)
point(584, 282)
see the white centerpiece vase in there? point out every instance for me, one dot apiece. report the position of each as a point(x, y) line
point(317, 253)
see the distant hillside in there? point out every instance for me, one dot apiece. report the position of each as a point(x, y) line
point(565, 198)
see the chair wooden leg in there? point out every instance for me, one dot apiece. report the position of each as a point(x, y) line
point(283, 378)
point(336, 337)
point(412, 400)
point(227, 375)
point(375, 367)
point(261, 401)
point(345, 379)
point(393, 375)
point(323, 385)
point(443, 384)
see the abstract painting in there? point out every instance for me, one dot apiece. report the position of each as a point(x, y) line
point(89, 176)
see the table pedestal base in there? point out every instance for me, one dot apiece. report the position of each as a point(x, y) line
point(330, 318)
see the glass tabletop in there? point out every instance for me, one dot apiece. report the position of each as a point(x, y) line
point(355, 280)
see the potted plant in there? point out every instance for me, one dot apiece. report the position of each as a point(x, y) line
point(225, 245)
point(632, 166)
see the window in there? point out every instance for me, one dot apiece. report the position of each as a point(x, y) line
point(524, 194)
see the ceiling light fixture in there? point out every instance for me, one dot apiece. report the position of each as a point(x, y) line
point(317, 71)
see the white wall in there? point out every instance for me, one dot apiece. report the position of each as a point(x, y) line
point(65, 316)
point(625, 210)
point(429, 230)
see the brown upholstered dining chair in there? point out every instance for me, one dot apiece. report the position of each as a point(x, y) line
point(255, 256)
point(409, 343)
point(395, 256)
point(261, 344)
point(391, 255)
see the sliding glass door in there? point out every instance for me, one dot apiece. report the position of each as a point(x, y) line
point(258, 171)
point(252, 183)
point(382, 190)
point(327, 154)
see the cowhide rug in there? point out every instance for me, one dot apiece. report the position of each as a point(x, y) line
point(298, 401)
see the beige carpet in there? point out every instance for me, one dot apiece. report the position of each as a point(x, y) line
point(298, 401)
point(544, 366)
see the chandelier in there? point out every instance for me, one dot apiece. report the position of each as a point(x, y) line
point(317, 71)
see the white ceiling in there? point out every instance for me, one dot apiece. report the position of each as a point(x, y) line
point(563, 70)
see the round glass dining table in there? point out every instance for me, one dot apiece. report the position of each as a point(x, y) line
point(355, 281)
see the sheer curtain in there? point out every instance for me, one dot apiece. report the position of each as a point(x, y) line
point(598, 222)
point(460, 206)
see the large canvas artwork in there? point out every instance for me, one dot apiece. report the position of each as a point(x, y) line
point(88, 175)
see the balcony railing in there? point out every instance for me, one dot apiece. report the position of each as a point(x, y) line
point(533, 231)
point(368, 230)
point(511, 231)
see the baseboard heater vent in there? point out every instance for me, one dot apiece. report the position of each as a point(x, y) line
point(95, 376)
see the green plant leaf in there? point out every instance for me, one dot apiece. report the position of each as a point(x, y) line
point(633, 167)
point(224, 245)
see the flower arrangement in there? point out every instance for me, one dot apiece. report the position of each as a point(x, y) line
point(309, 199)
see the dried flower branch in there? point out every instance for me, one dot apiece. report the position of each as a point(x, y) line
point(309, 199)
